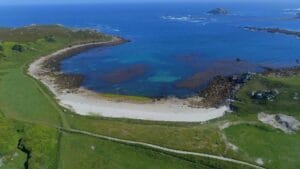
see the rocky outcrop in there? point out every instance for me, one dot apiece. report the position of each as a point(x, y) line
point(286, 123)
point(264, 94)
point(218, 11)
point(222, 89)
point(283, 72)
point(273, 30)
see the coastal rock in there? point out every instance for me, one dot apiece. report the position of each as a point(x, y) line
point(286, 123)
point(69, 81)
point(264, 94)
point(273, 30)
point(218, 11)
point(221, 89)
point(281, 73)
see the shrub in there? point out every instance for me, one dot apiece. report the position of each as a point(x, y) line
point(18, 48)
point(1, 48)
point(2, 55)
point(50, 38)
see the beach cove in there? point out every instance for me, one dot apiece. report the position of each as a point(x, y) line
point(86, 102)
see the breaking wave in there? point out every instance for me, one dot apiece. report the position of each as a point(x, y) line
point(188, 18)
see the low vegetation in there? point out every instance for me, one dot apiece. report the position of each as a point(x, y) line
point(275, 148)
point(190, 137)
point(110, 155)
point(40, 141)
point(117, 97)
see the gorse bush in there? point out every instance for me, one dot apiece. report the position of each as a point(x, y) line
point(18, 48)
point(50, 38)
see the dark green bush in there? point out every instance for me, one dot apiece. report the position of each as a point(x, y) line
point(18, 48)
point(2, 55)
point(50, 38)
point(1, 48)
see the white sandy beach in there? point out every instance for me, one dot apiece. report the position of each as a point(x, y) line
point(86, 102)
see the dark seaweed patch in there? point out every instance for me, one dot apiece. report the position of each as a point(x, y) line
point(125, 74)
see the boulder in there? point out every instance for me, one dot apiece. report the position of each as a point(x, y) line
point(288, 121)
point(264, 94)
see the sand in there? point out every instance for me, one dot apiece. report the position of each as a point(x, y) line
point(85, 102)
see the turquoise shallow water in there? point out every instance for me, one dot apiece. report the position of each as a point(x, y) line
point(170, 43)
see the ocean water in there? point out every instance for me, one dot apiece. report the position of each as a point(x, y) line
point(175, 48)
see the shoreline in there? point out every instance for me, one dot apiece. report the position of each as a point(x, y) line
point(85, 102)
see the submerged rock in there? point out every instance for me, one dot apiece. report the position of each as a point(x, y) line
point(218, 11)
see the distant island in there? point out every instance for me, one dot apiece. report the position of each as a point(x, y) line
point(273, 30)
point(218, 11)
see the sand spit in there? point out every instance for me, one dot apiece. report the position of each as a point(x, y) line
point(85, 102)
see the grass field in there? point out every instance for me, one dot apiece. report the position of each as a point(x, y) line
point(277, 149)
point(120, 98)
point(39, 139)
point(191, 137)
point(29, 112)
point(109, 155)
point(283, 103)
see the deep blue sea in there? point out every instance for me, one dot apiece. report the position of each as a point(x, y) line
point(171, 44)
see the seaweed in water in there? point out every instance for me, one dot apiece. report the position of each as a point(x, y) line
point(125, 74)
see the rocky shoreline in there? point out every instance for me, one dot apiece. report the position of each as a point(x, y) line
point(51, 66)
point(273, 30)
point(221, 90)
point(282, 72)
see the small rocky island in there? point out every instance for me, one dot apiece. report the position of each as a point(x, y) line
point(273, 30)
point(218, 11)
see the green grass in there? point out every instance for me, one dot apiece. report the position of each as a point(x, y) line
point(118, 97)
point(110, 155)
point(9, 137)
point(283, 103)
point(21, 99)
point(40, 140)
point(191, 137)
point(277, 149)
